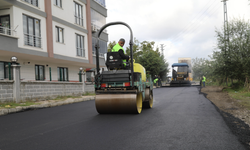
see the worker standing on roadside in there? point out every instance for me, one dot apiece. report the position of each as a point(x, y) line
point(119, 48)
point(204, 81)
point(155, 80)
point(159, 81)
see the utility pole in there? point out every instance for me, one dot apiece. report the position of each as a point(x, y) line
point(162, 48)
point(226, 39)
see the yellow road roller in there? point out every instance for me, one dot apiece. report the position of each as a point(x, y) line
point(123, 88)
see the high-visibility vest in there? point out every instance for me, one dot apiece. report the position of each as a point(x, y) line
point(116, 48)
point(155, 80)
point(204, 79)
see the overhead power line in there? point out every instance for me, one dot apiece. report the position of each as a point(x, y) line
point(195, 27)
point(193, 20)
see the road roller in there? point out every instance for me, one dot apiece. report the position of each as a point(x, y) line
point(122, 88)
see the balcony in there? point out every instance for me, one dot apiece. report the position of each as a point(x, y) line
point(32, 40)
point(100, 54)
point(95, 26)
point(101, 2)
point(7, 31)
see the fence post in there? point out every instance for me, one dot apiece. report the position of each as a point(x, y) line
point(50, 74)
point(16, 83)
point(83, 82)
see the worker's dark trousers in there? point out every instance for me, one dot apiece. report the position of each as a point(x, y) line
point(203, 84)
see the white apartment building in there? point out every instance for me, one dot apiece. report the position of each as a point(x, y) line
point(52, 39)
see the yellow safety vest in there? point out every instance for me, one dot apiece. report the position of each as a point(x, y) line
point(116, 48)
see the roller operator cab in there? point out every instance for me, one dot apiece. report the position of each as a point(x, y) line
point(180, 75)
point(123, 88)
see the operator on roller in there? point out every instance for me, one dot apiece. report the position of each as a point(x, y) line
point(119, 48)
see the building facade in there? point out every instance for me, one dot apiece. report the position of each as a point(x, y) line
point(52, 39)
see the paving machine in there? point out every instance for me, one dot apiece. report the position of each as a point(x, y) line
point(180, 75)
point(121, 89)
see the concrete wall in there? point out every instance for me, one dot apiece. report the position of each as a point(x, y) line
point(89, 88)
point(6, 91)
point(49, 90)
point(43, 90)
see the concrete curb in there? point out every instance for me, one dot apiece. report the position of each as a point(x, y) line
point(45, 104)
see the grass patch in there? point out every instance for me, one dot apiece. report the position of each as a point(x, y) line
point(241, 95)
point(65, 97)
point(28, 103)
point(14, 104)
point(88, 94)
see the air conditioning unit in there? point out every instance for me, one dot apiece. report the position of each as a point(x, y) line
point(93, 28)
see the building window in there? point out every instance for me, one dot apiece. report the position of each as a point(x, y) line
point(97, 20)
point(39, 71)
point(5, 70)
point(102, 49)
point(58, 3)
point(62, 74)
point(32, 2)
point(78, 14)
point(32, 33)
point(59, 35)
point(90, 76)
point(5, 25)
point(80, 51)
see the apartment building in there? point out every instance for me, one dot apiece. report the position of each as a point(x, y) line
point(52, 39)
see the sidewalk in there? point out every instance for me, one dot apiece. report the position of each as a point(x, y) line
point(45, 104)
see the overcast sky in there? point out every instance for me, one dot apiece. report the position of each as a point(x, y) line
point(185, 27)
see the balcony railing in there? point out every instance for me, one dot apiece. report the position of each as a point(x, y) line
point(100, 54)
point(78, 20)
point(101, 2)
point(7, 31)
point(32, 2)
point(80, 51)
point(32, 40)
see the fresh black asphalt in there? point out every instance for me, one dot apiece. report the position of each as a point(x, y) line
point(181, 118)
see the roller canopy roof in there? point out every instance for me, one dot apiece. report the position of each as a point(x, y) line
point(180, 65)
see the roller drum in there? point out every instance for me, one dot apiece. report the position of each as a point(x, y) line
point(148, 103)
point(118, 103)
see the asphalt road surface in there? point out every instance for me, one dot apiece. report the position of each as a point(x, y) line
point(180, 119)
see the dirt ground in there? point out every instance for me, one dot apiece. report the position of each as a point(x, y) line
point(227, 104)
point(236, 116)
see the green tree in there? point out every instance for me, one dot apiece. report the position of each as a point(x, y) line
point(111, 45)
point(136, 50)
point(233, 59)
point(152, 60)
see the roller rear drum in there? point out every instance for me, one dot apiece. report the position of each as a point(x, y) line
point(119, 103)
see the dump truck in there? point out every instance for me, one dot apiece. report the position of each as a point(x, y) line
point(180, 75)
point(121, 89)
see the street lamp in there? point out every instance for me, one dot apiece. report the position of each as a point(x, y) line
point(80, 74)
point(13, 59)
